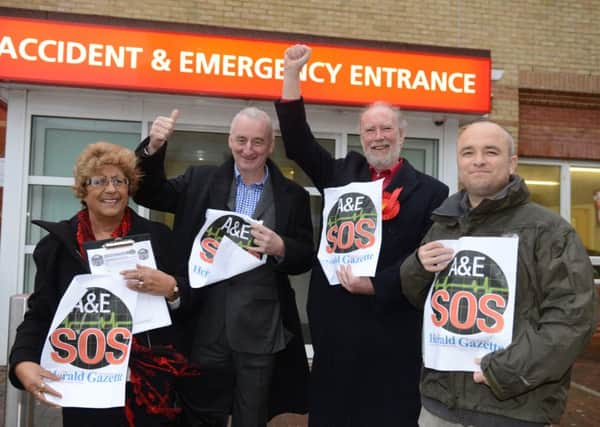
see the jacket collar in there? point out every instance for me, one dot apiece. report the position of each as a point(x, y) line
point(221, 186)
point(65, 231)
point(406, 178)
point(456, 206)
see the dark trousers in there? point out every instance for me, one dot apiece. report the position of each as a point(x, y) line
point(230, 382)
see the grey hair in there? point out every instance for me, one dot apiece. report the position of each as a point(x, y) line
point(402, 124)
point(255, 114)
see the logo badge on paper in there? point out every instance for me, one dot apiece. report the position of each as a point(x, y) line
point(351, 232)
point(95, 333)
point(222, 248)
point(88, 344)
point(469, 311)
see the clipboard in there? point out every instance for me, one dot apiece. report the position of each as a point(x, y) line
point(123, 253)
point(111, 256)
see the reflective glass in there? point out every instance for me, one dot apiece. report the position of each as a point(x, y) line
point(29, 281)
point(543, 182)
point(585, 206)
point(56, 142)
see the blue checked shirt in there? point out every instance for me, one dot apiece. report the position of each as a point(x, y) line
point(247, 196)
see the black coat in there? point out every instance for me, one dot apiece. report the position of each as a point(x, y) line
point(57, 261)
point(367, 358)
point(250, 305)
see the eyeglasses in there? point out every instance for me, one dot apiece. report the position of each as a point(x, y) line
point(102, 181)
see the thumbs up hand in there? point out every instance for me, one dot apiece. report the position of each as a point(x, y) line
point(161, 130)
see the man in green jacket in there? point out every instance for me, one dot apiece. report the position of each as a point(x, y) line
point(526, 382)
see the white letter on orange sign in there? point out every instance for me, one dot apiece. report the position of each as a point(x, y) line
point(72, 47)
point(244, 66)
point(42, 50)
point(6, 46)
point(356, 75)
point(312, 74)
point(114, 56)
point(95, 54)
point(452, 85)
point(23, 46)
point(388, 75)
point(185, 59)
point(439, 81)
point(333, 71)
point(263, 68)
point(279, 69)
point(421, 80)
point(134, 53)
point(229, 65)
point(210, 67)
point(404, 78)
point(372, 76)
point(470, 83)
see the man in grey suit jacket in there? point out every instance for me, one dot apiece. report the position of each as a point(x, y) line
point(247, 325)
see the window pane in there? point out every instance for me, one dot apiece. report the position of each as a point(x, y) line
point(585, 206)
point(421, 153)
point(188, 148)
point(56, 142)
point(290, 168)
point(49, 203)
point(30, 270)
point(544, 184)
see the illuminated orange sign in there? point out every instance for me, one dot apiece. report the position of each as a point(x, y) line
point(59, 53)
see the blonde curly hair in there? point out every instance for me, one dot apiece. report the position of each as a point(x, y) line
point(100, 154)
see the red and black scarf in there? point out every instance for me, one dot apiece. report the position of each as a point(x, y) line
point(86, 234)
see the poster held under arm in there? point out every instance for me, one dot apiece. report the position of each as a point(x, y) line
point(469, 310)
point(89, 342)
point(221, 248)
point(112, 256)
point(351, 231)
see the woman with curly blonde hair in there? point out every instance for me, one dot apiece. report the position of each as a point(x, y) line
point(106, 175)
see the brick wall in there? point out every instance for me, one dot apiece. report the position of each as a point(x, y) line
point(558, 125)
point(560, 39)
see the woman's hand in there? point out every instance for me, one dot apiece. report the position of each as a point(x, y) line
point(150, 281)
point(35, 380)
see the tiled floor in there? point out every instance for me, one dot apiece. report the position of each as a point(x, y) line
point(583, 406)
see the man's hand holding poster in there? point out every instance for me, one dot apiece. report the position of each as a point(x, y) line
point(222, 248)
point(89, 342)
point(351, 232)
point(469, 311)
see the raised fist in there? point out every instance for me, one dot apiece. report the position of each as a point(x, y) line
point(296, 57)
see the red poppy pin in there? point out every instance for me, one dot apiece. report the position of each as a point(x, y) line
point(390, 204)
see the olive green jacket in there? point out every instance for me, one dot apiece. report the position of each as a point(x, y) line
point(554, 309)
